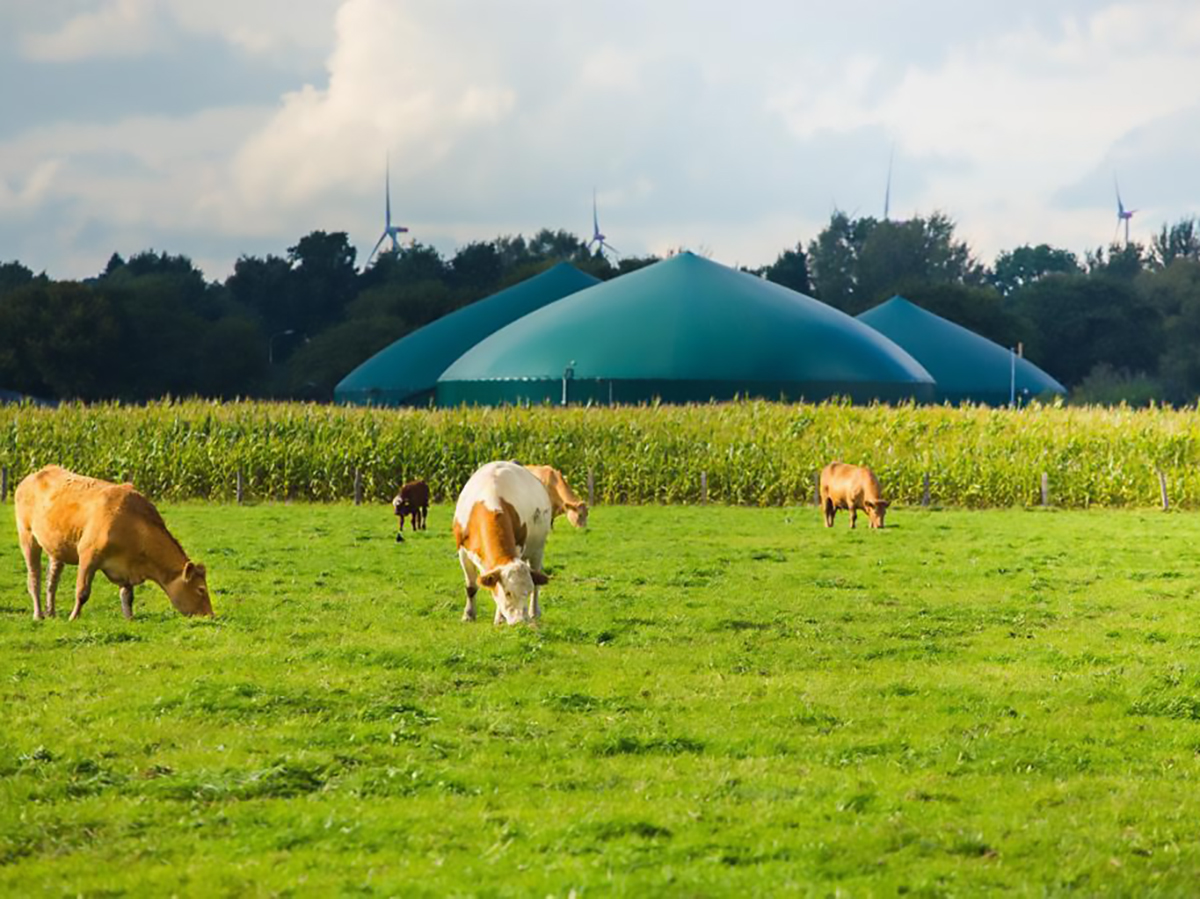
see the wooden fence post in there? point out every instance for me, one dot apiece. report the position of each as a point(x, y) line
point(357, 487)
point(816, 488)
point(1045, 489)
point(4, 484)
point(240, 487)
point(704, 487)
point(925, 489)
point(1162, 488)
point(592, 482)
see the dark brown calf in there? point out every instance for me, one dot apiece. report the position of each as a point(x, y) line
point(412, 500)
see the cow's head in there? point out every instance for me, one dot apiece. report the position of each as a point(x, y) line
point(876, 509)
point(189, 592)
point(511, 585)
point(400, 506)
point(577, 514)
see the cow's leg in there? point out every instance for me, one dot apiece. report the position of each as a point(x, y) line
point(32, 551)
point(83, 583)
point(470, 574)
point(535, 609)
point(127, 601)
point(53, 573)
point(853, 515)
point(830, 511)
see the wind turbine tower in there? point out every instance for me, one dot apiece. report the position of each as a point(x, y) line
point(887, 192)
point(390, 231)
point(598, 238)
point(1123, 214)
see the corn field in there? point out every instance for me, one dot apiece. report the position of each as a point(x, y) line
point(752, 453)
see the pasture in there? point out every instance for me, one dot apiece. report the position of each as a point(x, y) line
point(720, 701)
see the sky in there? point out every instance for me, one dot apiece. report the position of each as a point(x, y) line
point(220, 128)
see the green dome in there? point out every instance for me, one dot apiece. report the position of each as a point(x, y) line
point(683, 330)
point(406, 371)
point(967, 366)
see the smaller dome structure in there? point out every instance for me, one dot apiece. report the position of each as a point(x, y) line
point(405, 372)
point(967, 367)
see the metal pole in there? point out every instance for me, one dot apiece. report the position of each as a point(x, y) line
point(4, 484)
point(816, 488)
point(1012, 378)
point(1162, 487)
point(357, 487)
point(704, 486)
point(1045, 489)
point(591, 488)
point(925, 490)
point(240, 489)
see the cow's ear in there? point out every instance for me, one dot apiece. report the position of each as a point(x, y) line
point(540, 578)
point(490, 579)
point(881, 504)
point(190, 570)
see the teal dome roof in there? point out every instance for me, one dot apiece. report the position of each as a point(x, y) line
point(406, 371)
point(685, 329)
point(967, 366)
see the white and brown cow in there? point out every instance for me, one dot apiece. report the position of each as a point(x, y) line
point(501, 523)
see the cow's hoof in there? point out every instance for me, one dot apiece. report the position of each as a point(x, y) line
point(399, 538)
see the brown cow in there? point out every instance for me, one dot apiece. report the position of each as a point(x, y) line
point(562, 497)
point(101, 527)
point(851, 487)
point(412, 500)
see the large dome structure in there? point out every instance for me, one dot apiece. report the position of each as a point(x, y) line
point(405, 372)
point(683, 330)
point(967, 367)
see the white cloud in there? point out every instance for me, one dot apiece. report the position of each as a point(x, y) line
point(117, 28)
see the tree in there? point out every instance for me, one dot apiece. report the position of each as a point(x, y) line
point(324, 280)
point(14, 275)
point(1078, 321)
point(264, 287)
point(790, 269)
point(476, 268)
point(1119, 262)
point(1179, 241)
point(857, 263)
point(59, 339)
point(1023, 266)
point(833, 259)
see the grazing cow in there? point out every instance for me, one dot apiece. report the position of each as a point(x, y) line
point(412, 500)
point(851, 487)
point(562, 497)
point(101, 527)
point(501, 522)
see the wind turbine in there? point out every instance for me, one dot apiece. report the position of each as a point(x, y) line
point(1123, 214)
point(887, 193)
point(389, 230)
point(598, 237)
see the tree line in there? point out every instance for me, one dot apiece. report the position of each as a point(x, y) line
point(1119, 324)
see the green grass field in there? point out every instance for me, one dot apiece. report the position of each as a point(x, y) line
point(719, 702)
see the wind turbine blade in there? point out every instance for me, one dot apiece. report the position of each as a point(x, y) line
point(612, 249)
point(378, 244)
point(887, 193)
point(595, 214)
